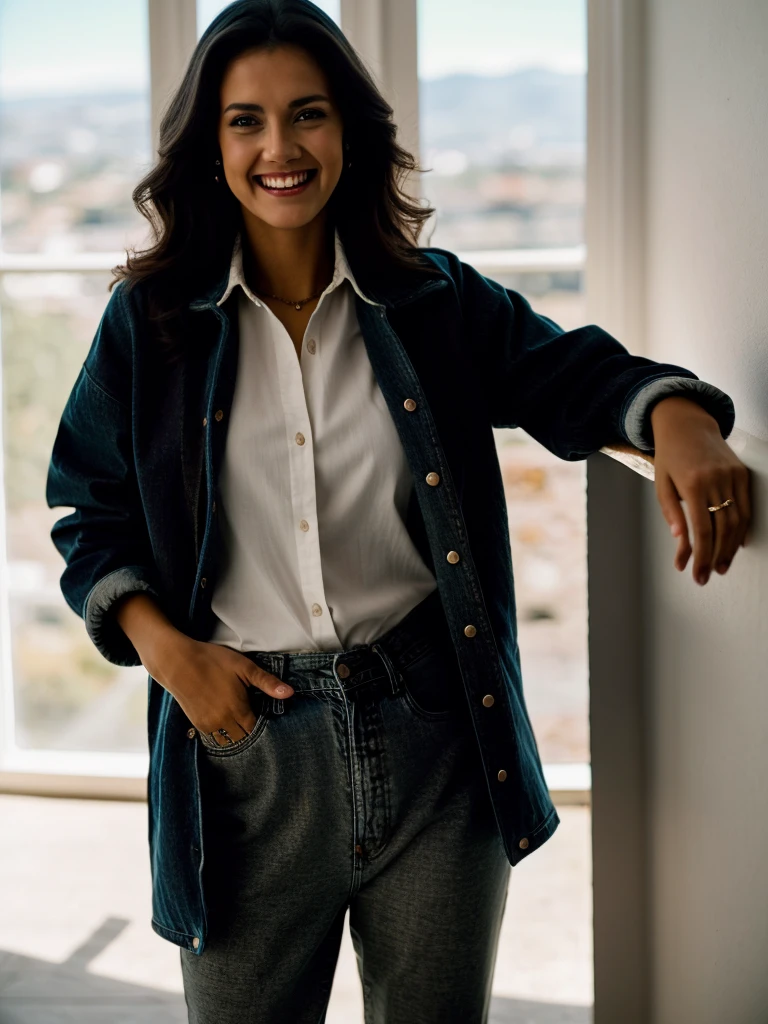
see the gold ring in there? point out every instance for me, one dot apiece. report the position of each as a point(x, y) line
point(725, 504)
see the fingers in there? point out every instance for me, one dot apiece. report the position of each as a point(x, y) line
point(675, 516)
point(742, 492)
point(268, 683)
point(717, 535)
point(239, 728)
point(728, 531)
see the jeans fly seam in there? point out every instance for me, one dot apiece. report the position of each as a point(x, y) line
point(356, 872)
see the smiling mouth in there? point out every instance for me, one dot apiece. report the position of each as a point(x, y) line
point(285, 182)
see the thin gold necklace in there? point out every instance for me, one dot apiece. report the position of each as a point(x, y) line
point(296, 303)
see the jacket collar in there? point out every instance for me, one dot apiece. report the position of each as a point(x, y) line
point(393, 292)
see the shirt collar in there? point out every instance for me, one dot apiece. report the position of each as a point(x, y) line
point(341, 271)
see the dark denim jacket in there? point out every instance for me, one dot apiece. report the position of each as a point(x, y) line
point(138, 454)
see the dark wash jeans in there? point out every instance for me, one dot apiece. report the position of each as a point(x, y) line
point(364, 790)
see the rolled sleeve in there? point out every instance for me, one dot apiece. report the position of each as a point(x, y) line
point(98, 612)
point(637, 419)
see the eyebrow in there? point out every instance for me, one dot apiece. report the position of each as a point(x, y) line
point(294, 103)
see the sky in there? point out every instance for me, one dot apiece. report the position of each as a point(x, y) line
point(74, 46)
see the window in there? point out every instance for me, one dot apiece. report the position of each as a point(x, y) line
point(502, 127)
point(74, 140)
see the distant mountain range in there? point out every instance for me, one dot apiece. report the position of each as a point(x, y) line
point(522, 114)
point(528, 116)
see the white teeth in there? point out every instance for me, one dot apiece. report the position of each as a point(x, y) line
point(288, 182)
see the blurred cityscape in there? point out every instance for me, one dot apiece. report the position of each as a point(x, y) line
point(504, 166)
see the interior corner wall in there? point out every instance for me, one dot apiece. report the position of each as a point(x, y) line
point(706, 249)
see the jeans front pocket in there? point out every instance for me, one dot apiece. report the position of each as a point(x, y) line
point(431, 679)
point(259, 702)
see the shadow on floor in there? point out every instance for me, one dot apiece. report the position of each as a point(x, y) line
point(33, 991)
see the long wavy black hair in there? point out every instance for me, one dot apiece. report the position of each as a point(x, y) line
point(194, 221)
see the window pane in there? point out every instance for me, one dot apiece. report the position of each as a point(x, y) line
point(74, 141)
point(74, 124)
point(208, 9)
point(66, 695)
point(502, 122)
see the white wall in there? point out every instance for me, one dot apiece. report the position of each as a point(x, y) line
point(706, 252)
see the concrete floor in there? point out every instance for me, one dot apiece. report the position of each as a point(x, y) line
point(76, 942)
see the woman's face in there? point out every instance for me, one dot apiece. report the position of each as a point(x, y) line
point(278, 119)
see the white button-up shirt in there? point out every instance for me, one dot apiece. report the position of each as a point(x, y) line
point(314, 485)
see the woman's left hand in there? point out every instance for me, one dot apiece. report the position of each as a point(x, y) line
point(694, 464)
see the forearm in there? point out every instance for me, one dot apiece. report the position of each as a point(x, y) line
point(150, 631)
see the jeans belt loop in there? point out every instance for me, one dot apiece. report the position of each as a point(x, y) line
point(395, 677)
point(278, 705)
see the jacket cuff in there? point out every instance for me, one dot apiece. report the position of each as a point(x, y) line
point(101, 626)
point(637, 420)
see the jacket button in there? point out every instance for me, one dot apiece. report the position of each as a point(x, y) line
point(469, 631)
point(219, 414)
point(203, 581)
point(195, 942)
point(488, 700)
point(205, 421)
point(523, 844)
point(453, 557)
point(433, 479)
point(191, 733)
point(342, 670)
point(409, 404)
point(299, 438)
point(502, 775)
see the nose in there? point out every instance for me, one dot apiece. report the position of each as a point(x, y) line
point(279, 144)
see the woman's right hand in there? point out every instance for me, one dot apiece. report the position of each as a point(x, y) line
point(211, 684)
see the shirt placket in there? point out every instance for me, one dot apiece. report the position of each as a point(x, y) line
point(301, 463)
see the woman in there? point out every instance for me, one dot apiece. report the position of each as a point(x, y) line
point(288, 507)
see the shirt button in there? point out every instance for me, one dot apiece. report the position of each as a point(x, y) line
point(453, 557)
point(316, 609)
point(342, 670)
point(195, 942)
point(203, 581)
point(205, 421)
point(219, 414)
point(523, 844)
point(469, 631)
point(433, 479)
point(213, 507)
point(304, 525)
point(488, 700)
point(502, 775)
point(299, 438)
point(311, 345)
point(409, 404)
point(191, 733)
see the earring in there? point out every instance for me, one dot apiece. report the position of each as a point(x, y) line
point(216, 177)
